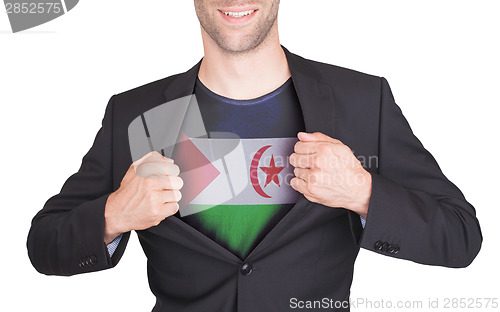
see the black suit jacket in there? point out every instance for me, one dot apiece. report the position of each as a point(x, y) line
point(415, 212)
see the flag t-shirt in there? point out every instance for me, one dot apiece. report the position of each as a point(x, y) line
point(241, 207)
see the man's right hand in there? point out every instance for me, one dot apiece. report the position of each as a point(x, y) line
point(148, 193)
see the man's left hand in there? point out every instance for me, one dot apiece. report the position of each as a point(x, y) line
point(327, 172)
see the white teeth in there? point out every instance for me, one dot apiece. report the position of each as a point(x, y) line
point(239, 14)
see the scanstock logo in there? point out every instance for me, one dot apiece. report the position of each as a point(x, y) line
point(26, 14)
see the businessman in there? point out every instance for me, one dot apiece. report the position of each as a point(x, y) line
point(255, 252)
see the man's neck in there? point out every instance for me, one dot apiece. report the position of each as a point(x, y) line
point(244, 76)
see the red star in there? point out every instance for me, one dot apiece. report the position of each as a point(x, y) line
point(272, 172)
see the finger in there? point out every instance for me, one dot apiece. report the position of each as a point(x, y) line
point(171, 208)
point(157, 157)
point(311, 176)
point(305, 147)
point(302, 173)
point(316, 137)
point(157, 169)
point(301, 186)
point(152, 156)
point(134, 165)
point(170, 196)
point(147, 156)
point(172, 169)
point(302, 161)
point(172, 183)
point(169, 160)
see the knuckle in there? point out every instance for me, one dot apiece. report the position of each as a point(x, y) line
point(177, 195)
point(173, 169)
point(169, 160)
point(142, 170)
point(177, 170)
point(172, 208)
point(311, 189)
point(155, 222)
point(326, 148)
point(151, 199)
point(179, 183)
point(300, 161)
point(132, 168)
point(348, 150)
point(311, 199)
point(152, 184)
point(168, 183)
point(317, 161)
point(297, 147)
point(322, 148)
point(313, 177)
point(154, 210)
point(148, 183)
point(144, 166)
point(158, 218)
point(167, 196)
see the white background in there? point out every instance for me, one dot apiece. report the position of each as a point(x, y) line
point(440, 58)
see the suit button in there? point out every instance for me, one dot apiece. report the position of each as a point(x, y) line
point(390, 249)
point(82, 263)
point(246, 269)
point(384, 246)
point(378, 245)
point(93, 260)
point(396, 249)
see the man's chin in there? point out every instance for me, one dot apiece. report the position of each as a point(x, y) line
point(239, 45)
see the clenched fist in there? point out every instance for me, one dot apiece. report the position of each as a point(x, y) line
point(327, 172)
point(148, 193)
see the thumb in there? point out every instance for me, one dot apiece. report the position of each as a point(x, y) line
point(146, 157)
point(152, 156)
point(316, 137)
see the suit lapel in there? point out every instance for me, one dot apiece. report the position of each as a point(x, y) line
point(183, 84)
point(316, 98)
point(317, 104)
point(318, 108)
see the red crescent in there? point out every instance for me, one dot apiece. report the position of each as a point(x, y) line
point(253, 172)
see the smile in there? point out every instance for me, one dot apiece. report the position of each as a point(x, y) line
point(239, 14)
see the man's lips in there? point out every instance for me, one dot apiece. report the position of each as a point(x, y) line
point(237, 15)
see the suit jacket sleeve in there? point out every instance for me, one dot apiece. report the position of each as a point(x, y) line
point(415, 212)
point(67, 235)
